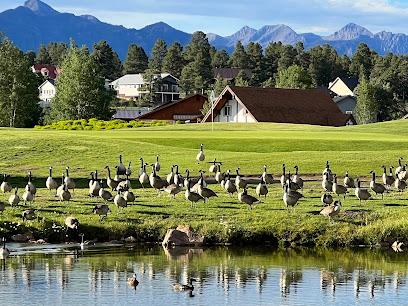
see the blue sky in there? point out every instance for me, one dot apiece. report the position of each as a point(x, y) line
point(224, 17)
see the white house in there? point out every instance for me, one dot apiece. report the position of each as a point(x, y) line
point(343, 86)
point(132, 86)
point(46, 93)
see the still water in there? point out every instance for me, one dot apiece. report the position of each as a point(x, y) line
point(97, 275)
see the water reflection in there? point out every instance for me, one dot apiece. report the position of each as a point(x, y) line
point(224, 275)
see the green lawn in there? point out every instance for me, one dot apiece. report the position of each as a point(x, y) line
point(356, 149)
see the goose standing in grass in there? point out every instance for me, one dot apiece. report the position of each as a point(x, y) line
point(111, 182)
point(200, 156)
point(5, 185)
point(284, 176)
point(178, 178)
point(29, 215)
point(71, 223)
point(339, 189)
point(173, 190)
point(261, 189)
point(388, 180)
point(293, 186)
point(104, 194)
point(132, 281)
point(245, 198)
point(156, 182)
point(128, 170)
point(219, 176)
point(331, 211)
point(170, 176)
point(117, 175)
point(121, 169)
point(69, 181)
point(2, 207)
point(327, 170)
point(61, 187)
point(102, 210)
point(143, 178)
point(289, 198)
point(229, 185)
point(327, 199)
point(30, 185)
point(188, 181)
point(327, 184)
point(141, 170)
point(120, 202)
point(202, 179)
point(4, 252)
point(240, 183)
point(50, 183)
point(376, 187)
point(403, 174)
point(129, 196)
point(182, 287)
point(203, 191)
point(296, 178)
point(28, 196)
point(399, 168)
point(124, 185)
point(400, 185)
point(213, 167)
point(95, 186)
point(14, 199)
point(362, 194)
point(157, 163)
point(193, 197)
point(349, 181)
point(268, 178)
point(65, 195)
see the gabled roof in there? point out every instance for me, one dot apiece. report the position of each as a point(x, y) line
point(47, 81)
point(133, 79)
point(52, 70)
point(128, 114)
point(303, 106)
point(230, 73)
point(351, 83)
point(337, 99)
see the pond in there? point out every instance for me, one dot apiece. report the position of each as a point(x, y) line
point(97, 275)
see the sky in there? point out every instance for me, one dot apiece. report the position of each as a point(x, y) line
point(225, 17)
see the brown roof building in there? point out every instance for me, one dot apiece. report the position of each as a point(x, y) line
point(256, 104)
point(185, 109)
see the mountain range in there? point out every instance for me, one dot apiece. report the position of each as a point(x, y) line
point(36, 22)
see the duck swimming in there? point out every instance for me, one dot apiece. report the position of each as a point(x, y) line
point(182, 287)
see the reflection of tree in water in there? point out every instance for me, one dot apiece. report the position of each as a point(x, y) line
point(287, 278)
point(332, 277)
point(372, 280)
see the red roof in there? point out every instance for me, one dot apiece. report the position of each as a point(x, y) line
point(52, 70)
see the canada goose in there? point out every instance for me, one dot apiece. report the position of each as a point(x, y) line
point(128, 170)
point(229, 185)
point(104, 194)
point(61, 187)
point(261, 189)
point(213, 167)
point(362, 194)
point(288, 197)
point(111, 182)
point(132, 281)
point(2, 207)
point(296, 178)
point(124, 185)
point(399, 168)
point(71, 223)
point(339, 189)
point(120, 202)
point(403, 174)
point(193, 197)
point(121, 169)
point(327, 184)
point(29, 215)
point(268, 178)
point(156, 182)
point(30, 184)
point(200, 156)
point(4, 252)
point(293, 186)
point(327, 199)
point(178, 178)
point(376, 187)
point(101, 210)
point(129, 196)
point(349, 181)
point(293, 193)
point(85, 243)
point(203, 191)
point(327, 170)
point(400, 185)
point(28, 196)
point(65, 195)
point(170, 176)
point(245, 198)
point(240, 183)
point(143, 178)
point(95, 186)
point(219, 176)
point(173, 189)
point(198, 184)
point(223, 181)
point(188, 181)
point(182, 287)
point(284, 176)
point(157, 164)
point(331, 211)
point(50, 183)
point(14, 199)
point(388, 180)
point(5, 185)
point(92, 180)
point(141, 170)
point(69, 181)
point(117, 175)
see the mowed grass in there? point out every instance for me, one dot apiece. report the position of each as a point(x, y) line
point(248, 146)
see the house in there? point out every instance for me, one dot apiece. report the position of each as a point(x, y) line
point(132, 86)
point(48, 71)
point(346, 103)
point(342, 86)
point(187, 109)
point(47, 92)
point(256, 104)
point(129, 114)
point(229, 74)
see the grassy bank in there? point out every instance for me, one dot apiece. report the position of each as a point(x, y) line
point(354, 149)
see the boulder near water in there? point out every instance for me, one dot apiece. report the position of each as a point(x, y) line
point(182, 235)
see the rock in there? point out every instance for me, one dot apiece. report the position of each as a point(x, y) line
point(383, 245)
point(182, 235)
point(116, 242)
point(22, 237)
point(130, 239)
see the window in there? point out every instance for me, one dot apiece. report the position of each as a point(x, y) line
point(174, 87)
point(349, 112)
point(227, 110)
point(165, 87)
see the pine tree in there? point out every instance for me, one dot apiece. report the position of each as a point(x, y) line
point(173, 62)
point(57, 52)
point(242, 79)
point(136, 60)
point(220, 59)
point(219, 85)
point(31, 55)
point(361, 61)
point(157, 55)
point(239, 58)
point(107, 60)
point(43, 58)
point(367, 107)
point(294, 77)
